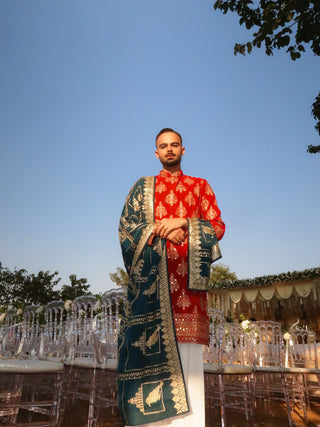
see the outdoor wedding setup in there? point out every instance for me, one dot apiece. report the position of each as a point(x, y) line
point(53, 356)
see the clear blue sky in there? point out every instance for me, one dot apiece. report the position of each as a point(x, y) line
point(85, 87)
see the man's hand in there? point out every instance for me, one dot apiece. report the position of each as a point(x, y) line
point(177, 237)
point(164, 227)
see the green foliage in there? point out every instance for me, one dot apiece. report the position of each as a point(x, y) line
point(313, 149)
point(77, 288)
point(308, 274)
point(18, 288)
point(120, 277)
point(278, 24)
point(316, 112)
point(220, 272)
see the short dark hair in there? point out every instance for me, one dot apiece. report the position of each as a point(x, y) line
point(166, 130)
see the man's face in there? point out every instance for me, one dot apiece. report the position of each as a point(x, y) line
point(169, 149)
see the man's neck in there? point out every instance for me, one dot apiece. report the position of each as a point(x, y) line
point(172, 169)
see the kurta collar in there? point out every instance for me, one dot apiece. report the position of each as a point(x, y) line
point(166, 174)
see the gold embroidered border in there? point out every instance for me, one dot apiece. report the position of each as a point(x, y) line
point(148, 212)
point(194, 254)
point(169, 341)
point(142, 242)
point(216, 253)
point(148, 193)
point(196, 279)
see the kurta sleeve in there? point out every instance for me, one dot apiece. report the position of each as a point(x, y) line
point(203, 236)
point(209, 210)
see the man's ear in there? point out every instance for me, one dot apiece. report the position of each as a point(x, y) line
point(157, 154)
point(183, 149)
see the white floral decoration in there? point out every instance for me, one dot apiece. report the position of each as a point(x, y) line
point(68, 304)
point(245, 324)
point(97, 305)
point(19, 312)
point(40, 309)
point(287, 336)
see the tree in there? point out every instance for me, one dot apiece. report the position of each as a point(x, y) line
point(18, 288)
point(220, 272)
point(120, 277)
point(77, 288)
point(290, 24)
point(38, 289)
point(9, 283)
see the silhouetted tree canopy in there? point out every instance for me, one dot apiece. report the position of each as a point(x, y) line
point(77, 288)
point(220, 272)
point(18, 288)
point(290, 24)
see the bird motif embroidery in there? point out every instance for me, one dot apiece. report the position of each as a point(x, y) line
point(155, 395)
point(154, 337)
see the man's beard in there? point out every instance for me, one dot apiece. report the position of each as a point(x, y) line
point(171, 162)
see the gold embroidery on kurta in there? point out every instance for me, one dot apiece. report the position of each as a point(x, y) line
point(172, 179)
point(181, 211)
point(196, 190)
point(208, 190)
point(172, 252)
point(160, 188)
point(180, 188)
point(189, 199)
point(211, 214)
point(161, 211)
point(174, 284)
point(171, 198)
point(204, 204)
point(183, 300)
point(189, 181)
point(182, 269)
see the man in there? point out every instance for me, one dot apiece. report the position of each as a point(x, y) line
point(169, 229)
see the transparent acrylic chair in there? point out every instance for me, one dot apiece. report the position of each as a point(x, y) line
point(269, 379)
point(30, 389)
point(228, 380)
point(53, 346)
point(89, 378)
point(112, 302)
point(81, 358)
point(11, 333)
point(303, 374)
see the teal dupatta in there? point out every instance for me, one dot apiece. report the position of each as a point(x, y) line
point(151, 385)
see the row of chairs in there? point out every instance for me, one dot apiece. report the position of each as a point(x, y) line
point(253, 364)
point(44, 349)
point(246, 364)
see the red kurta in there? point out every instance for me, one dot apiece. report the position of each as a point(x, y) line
point(181, 196)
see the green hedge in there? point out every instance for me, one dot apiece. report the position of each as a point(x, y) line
point(311, 273)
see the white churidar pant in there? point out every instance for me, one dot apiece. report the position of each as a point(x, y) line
point(192, 365)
